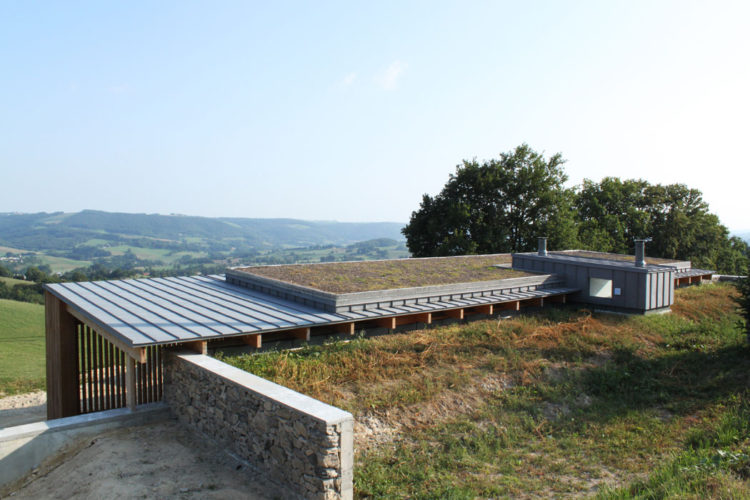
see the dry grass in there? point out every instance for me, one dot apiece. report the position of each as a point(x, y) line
point(563, 403)
point(349, 277)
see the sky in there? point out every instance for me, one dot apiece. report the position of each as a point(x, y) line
point(350, 111)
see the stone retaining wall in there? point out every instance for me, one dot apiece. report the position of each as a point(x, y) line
point(297, 441)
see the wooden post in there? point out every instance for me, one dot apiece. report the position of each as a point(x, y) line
point(485, 309)
point(389, 323)
point(425, 318)
point(253, 340)
point(63, 392)
point(347, 328)
point(455, 313)
point(198, 346)
point(130, 395)
point(509, 306)
point(301, 333)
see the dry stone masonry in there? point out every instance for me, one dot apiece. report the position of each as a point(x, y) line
point(293, 439)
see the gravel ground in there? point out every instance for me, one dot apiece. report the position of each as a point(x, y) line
point(23, 409)
point(161, 460)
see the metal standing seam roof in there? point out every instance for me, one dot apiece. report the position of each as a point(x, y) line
point(693, 272)
point(151, 311)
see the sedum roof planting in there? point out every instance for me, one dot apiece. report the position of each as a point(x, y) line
point(365, 276)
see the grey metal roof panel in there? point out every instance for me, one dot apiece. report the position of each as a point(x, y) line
point(115, 325)
point(693, 272)
point(223, 310)
point(150, 311)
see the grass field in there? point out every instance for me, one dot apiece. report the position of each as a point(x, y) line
point(563, 403)
point(168, 257)
point(11, 282)
point(22, 353)
point(63, 264)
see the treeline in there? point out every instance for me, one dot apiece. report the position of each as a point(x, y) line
point(504, 204)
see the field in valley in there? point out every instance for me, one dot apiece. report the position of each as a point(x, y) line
point(562, 403)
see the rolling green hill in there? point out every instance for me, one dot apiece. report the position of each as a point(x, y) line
point(67, 231)
point(21, 347)
point(63, 242)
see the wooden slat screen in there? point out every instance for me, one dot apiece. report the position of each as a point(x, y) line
point(101, 371)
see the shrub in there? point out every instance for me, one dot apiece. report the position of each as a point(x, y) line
point(743, 301)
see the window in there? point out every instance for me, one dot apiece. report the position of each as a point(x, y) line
point(600, 288)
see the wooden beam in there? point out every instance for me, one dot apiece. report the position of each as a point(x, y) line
point(485, 309)
point(535, 302)
point(408, 319)
point(425, 318)
point(455, 313)
point(347, 328)
point(137, 353)
point(253, 340)
point(61, 339)
point(509, 306)
point(130, 395)
point(559, 299)
point(389, 323)
point(198, 346)
point(300, 333)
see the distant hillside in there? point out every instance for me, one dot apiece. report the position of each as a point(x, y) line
point(67, 231)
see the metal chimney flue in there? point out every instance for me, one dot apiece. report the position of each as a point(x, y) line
point(640, 252)
point(542, 246)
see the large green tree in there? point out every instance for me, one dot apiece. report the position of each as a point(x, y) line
point(612, 213)
point(501, 205)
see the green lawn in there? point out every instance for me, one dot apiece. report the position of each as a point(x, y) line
point(164, 255)
point(62, 264)
point(11, 282)
point(22, 356)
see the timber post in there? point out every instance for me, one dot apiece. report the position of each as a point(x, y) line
point(63, 392)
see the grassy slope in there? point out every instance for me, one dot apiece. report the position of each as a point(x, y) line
point(564, 403)
point(11, 282)
point(22, 354)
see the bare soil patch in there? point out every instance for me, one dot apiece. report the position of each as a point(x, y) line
point(351, 277)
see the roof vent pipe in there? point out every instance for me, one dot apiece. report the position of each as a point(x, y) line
point(640, 252)
point(542, 246)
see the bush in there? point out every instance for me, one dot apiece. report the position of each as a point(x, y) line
point(743, 301)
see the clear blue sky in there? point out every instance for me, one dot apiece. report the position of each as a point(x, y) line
point(352, 110)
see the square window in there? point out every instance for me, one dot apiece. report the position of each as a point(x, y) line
point(600, 288)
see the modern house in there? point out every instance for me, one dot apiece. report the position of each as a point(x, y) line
point(612, 281)
point(123, 343)
point(124, 325)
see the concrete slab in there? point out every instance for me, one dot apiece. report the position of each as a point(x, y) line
point(24, 447)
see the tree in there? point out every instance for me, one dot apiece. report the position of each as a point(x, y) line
point(743, 301)
point(35, 274)
point(498, 206)
point(613, 212)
